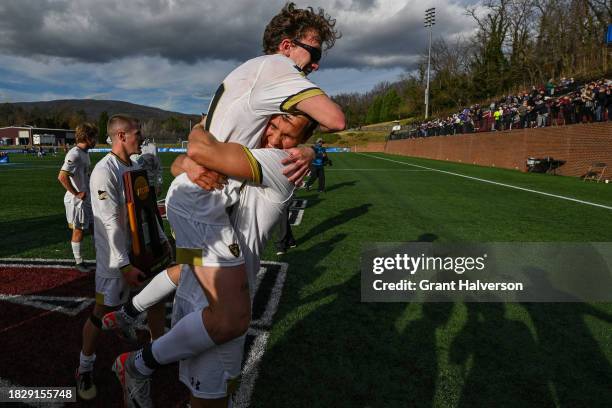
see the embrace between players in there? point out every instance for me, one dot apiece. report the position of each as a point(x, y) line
point(260, 113)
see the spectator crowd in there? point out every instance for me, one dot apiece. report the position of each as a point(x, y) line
point(552, 104)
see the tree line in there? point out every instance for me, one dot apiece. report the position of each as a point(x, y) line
point(516, 44)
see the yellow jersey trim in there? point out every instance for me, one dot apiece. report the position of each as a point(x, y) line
point(290, 103)
point(255, 166)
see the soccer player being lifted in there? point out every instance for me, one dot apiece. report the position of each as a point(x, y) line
point(74, 177)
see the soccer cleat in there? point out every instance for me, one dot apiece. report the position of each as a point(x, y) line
point(86, 389)
point(136, 386)
point(82, 268)
point(124, 324)
point(280, 252)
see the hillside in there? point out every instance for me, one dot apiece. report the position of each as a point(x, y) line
point(93, 108)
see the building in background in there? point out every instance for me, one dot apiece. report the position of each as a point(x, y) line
point(27, 135)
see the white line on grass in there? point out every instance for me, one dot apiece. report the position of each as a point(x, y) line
point(30, 167)
point(494, 182)
point(411, 170)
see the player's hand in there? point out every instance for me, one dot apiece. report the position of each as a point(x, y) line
point(298, 163)
point(203, 177)
point(134, 277)
point(80, 195)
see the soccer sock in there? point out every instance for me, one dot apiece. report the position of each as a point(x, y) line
point(159, 287)
point(141, 365)
point(186, 339)
point(76, 251)
point(86, 363)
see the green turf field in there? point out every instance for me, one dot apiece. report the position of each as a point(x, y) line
point(327, 349)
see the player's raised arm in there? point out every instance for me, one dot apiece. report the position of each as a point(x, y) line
point(231, 159)
point(325, 111)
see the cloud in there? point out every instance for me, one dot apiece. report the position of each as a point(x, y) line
point(377, 33)
point(173, 53)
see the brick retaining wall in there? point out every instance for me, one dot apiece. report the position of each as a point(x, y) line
point(579, 145)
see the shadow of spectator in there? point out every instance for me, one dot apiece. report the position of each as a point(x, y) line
point(579, 370)
point(337, 186)
point(501, 361)
point(395, 365)
point(343, 217)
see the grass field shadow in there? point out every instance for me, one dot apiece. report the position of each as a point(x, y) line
point(500, 360)
point(31, 233)
point(343, 184)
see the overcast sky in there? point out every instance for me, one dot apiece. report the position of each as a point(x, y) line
point(172, 54)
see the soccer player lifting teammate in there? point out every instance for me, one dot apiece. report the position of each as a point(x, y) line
point(207, 359)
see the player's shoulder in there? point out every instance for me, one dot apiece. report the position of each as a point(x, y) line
point(73, 153)
point(103, 165)
point(278, 64)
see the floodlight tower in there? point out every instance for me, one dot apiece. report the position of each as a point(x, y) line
point(430, 21)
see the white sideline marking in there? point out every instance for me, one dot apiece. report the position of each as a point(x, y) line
point(42, 263)
point(46, 302)
point(250, 370)
point(294, 204)
point(417, 170)
point(494, 182)
point(298, 218)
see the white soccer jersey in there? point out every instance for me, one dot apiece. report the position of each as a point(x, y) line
point(76, 164)
point(260, 209)
point(250, 94)
point(111, 228)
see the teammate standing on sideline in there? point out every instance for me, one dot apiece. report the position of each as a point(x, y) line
point(114, 273)
point(74, 177)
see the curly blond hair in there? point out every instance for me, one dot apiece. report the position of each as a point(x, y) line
point(294, 23)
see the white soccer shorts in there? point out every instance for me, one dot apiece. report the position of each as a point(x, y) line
point(204, 245)
point(78, 213)
point(111, 291)
point(216, 372)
